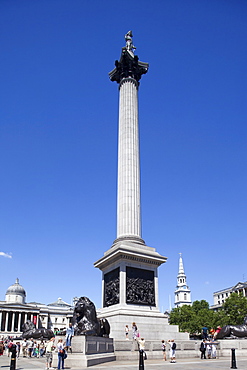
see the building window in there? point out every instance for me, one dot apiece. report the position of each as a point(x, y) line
point(55, 319)
point(222, 295)
point(218, 302)
point(218, 296)
point(226, 294)
point(185, 296)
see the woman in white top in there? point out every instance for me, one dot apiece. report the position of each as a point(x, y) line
point(61, 352)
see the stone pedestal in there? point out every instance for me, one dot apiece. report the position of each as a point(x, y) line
point(89, 351)
point(130, 292)
point(151, 324)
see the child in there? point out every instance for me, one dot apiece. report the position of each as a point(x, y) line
point(164, 349)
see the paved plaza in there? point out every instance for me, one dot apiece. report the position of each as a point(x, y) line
point(186, 364)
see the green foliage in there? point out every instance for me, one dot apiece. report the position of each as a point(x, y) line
point(234, 309)
point(200, 305)
point(193, 318)
point(184, 317)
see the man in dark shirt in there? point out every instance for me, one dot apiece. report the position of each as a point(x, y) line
point(203, 349)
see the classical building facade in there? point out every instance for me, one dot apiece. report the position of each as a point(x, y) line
point(221, 295)
point(182, 292)
point(14, 312)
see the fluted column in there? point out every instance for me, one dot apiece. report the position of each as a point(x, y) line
point(128, 207)
point(127, 74)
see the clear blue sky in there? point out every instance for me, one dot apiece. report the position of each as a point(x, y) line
point(58, 141)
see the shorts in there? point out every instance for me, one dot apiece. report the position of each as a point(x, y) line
point(49, 356)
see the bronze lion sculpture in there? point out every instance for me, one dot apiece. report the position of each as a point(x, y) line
point(30, 331)
point(85, 320)
point(233, 330)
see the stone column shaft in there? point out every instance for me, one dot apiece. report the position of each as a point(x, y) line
point(13, 322)
point(128, 208)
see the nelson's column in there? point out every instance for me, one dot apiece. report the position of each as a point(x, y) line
point(129, 267)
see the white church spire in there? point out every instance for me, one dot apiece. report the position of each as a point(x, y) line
point(182, 292)
point(181, 266)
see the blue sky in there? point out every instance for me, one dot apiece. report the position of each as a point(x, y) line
point(58, 141)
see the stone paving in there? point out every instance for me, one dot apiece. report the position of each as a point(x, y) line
point(223, 363)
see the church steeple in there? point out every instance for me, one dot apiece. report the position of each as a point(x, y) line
point(182, 292)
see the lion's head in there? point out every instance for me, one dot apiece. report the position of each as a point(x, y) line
point(27, 326)
point(83, 305)
point(85, 308)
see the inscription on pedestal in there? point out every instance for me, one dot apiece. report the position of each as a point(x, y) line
point(140, 286)
point(111, 288)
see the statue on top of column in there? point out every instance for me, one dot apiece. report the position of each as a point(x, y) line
point(128, 39)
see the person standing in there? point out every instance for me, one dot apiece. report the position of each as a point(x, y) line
point(69, 334)
point(18, 349)
point(204, 332)
point(126, 332)
point(217, 332)
point(41, 348)
point(164, 349)
point(49, 355)
point(214, 349)
point(173, 347)
point(34, 353)
point(24, 345)
point(60, 353)
point(134, 331)
point(30, 347)
point(203, 348)
point(141, 344)
point(1, 348)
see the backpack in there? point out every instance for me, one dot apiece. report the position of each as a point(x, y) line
point(174, 346)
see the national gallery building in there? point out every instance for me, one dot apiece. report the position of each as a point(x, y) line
point(14, 312)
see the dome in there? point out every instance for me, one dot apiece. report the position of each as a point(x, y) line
point(14, 291)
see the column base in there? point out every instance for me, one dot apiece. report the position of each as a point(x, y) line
point(129, 238)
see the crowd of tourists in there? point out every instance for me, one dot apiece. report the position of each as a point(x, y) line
point(208, 346)
point(31, 348)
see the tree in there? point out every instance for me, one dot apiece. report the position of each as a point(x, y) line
point(234, 309)
point(192, 318)
point(184, 317)
point(200, 305)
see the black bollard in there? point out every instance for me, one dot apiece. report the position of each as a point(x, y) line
point(13, 358)
point(234, 365)
point(141, 360)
